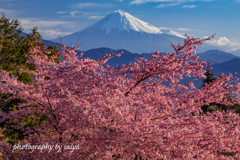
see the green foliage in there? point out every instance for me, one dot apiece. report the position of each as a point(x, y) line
point(215, 106)
point(12, 135)
point(53, 50)
point(13, 48)
point(235, 107)
point(212, 106)
point(209, 77)
point(25, 77)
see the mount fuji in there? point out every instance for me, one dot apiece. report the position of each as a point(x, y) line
point(120, 30)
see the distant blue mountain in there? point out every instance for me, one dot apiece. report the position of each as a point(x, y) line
point(125, 57)
point(226, 67)
point(211, 56)
point(221, 61)
point(215, 56)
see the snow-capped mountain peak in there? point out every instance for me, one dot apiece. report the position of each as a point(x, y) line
point(123, 21)
point(120, 30)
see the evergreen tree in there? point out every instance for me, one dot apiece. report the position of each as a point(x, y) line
point(216, 106)
point(13, 50)
point(209, 77)
point(212, 106)
point(13, 46)
point(235, 107)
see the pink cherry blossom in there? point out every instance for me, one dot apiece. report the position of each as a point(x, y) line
point(124, 112)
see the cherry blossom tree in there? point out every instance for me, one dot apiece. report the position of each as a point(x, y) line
point(100, 112)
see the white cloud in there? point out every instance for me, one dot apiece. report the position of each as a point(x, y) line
point(237, 1)
point(96, 17)
point(234, 46)
point(184, 29)
point(189, 6)
point(177, 30)
point(167, 5)
point(51, 29)
point(30, 23)
point(77, 14)
point(7, 12)
point(48, 29)
point(173, 1)
point(222, 41)
point(61, 12)
point(51, 34)
point(230, 45)
point(164, 28)
point(90, 5)
point(73, 13)
point(81, 5)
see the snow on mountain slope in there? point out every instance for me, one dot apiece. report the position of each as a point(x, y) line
point(120, 30)
point(170, 32)
point(123, 21)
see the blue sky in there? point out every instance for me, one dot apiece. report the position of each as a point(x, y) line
point(198, 18)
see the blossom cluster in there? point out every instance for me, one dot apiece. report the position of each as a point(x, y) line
point(124, 112)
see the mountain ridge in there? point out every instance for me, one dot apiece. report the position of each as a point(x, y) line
point(230, 65)
point(216, 56)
